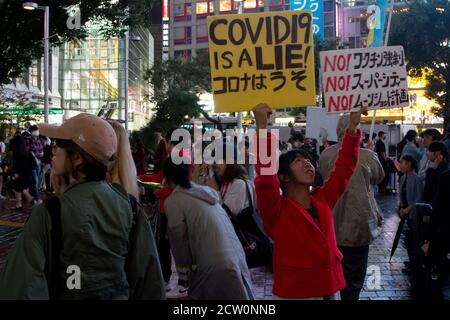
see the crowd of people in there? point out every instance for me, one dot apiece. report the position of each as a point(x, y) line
point(26, 161)
point(424, 203)
point(310, 222)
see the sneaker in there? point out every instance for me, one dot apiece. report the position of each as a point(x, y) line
point(167, 286)
point(177, 292)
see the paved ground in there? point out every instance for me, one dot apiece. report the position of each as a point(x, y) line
point(393, 285)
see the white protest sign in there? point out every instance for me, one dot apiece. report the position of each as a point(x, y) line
point(372, 77)
point(321, 125)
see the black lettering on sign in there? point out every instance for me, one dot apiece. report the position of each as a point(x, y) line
point(277, 22)
point(223, 81)
point(212, 33)
point(216, 60)
point(259, 60)
point(307, 50)
point(268, 30)
point(292, 55)
point(279, 57)
point(254, 36)
point(226, 58)
point(231, 32)
point(294, 32)
point(304, 22)
point(245, 56)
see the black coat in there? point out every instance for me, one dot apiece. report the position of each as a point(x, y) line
point(440, 223)
point(432, 178)
point(22, 167)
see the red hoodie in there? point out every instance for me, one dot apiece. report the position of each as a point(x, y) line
point(306, 259)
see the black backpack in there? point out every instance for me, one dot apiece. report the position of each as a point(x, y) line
point(256, 244)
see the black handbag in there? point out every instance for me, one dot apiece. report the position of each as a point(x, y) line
point(256, 244)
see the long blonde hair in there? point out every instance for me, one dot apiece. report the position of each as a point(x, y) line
point(123, 170)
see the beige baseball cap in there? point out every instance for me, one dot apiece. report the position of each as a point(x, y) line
point(91, 133)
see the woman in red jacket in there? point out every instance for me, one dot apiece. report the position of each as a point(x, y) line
point(306, 260)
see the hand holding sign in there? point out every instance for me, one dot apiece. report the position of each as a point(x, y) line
point(262, 113)
point(355, 119)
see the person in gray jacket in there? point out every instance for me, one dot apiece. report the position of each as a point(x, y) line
point(411, 192)
point(207, 251)
point(355, 215)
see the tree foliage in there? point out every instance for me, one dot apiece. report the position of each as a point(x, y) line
point(15, 109)
point(22, 30)
point(176, 86)
point(424, 32)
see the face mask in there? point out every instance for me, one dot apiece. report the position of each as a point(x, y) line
point(35, 133)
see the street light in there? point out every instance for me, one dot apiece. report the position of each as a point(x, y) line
point(30, 5)
point(34, 6)
point(127, 49)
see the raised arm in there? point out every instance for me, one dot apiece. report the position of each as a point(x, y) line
point(346, 162)
point(267, 185)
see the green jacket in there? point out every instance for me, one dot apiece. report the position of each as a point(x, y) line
point(96, 220)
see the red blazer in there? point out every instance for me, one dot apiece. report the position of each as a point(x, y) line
point(306, 260)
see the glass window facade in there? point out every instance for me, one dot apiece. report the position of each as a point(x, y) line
point(201, 7)
point(225, 5)
point(34, 74)
point(91, 74)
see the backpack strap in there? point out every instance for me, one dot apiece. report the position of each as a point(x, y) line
point(249, 196)
point(135, 213)
point(54, 209)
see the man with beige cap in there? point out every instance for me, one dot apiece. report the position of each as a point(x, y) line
point(91, 241)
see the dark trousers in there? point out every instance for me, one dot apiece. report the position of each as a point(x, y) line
point(48, 183)
point(419, 276)
point(165, 256)
point(382, 187)
point(354, 265)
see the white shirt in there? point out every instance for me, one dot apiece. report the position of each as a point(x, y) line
point(234, 195)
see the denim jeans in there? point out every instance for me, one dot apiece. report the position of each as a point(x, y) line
point(34, 188)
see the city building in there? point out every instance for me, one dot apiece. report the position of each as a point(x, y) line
point(27, 92)
point(356, 25)
point(88, 76)
point(185, 32)
point(92, 77)
point(187, 29)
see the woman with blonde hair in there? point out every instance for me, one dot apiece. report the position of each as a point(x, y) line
point(123, 169)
